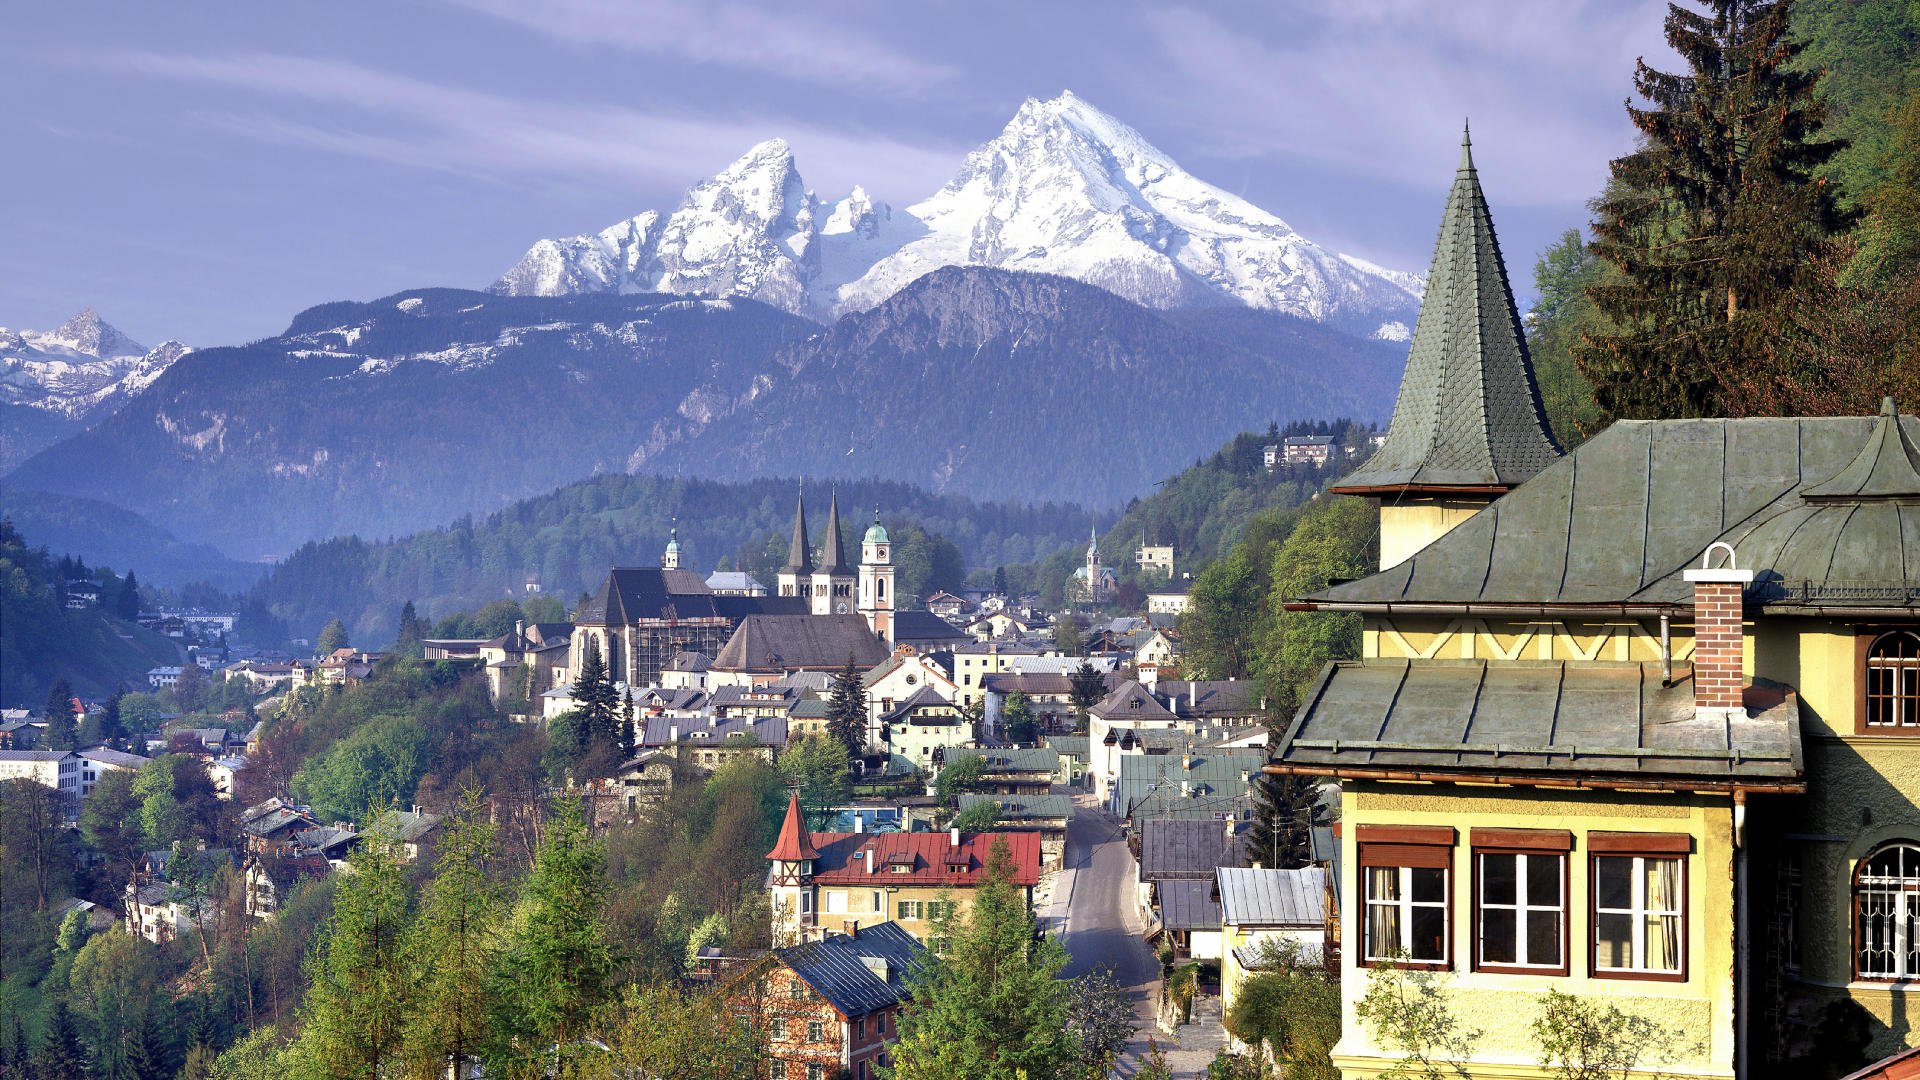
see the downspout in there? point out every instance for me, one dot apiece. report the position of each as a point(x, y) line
point(1742, 964)
point(1666, 653)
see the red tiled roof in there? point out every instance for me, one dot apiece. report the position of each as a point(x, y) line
point(928, 857)
point(795, 843)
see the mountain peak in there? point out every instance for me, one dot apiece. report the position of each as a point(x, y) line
point(87, 332)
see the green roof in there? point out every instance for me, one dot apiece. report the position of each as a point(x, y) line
point(1009, 758)
point(1617, 522)
point(1469, 412)
point(1592, 719)
point(1022, 807)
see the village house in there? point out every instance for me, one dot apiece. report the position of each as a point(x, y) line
point(1006, 770)
point(899, 677)
point(830, 1008)
point(1170, 598)
point(1630, 723)
point(527, 661)
point(922, 725)
point(712, 742)
point(1170, 773)
point(973, 664)
point(1263, 911)
point(688, 670)
point(1175, 871)
point(57, 769)
point(269, 828)
point(163, 677)
point(735, 583)
point(100, 760)
point(1043, 814)
point(1306, 449)
point(271, 879)
point(824, 883)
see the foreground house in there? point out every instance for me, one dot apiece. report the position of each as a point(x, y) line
point(824, 883)
point(1262, 910)
point(830, 1007)
point(1633, 723)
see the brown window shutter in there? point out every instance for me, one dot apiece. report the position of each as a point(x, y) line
point(1640, 843)
point(1440, 835)
point(1523, 839)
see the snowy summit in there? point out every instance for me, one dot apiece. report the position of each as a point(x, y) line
point(76, 370)
point(1065, 189)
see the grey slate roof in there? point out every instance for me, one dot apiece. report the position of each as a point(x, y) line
point(1593, 719)
point(1206, 773)
point(837, 968)
point(1022, 807)
point(1255, 897)
point(926, 628)
point(786, 642)
point(1618, 520)
point(833, 547)
point(1469, 412)
point(1188, 904)
point(1131, 701)
point(1189, 849)
point(799, 552)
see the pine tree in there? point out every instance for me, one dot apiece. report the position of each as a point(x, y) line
point(59, 716)
point(629, 732)
point(1285, 810)
point(847, 710)
point(332, 636)
point(594, 695)
point(557, 966)
point(361, 990)
point(412, 631)
point(60, 1056)
point(993, 1007)
point(453, 947)
point(1085, 687)
point(127, 604)
point(1713, 221)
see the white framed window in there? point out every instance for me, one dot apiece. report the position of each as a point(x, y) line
point(1886, 919)
point(1406, 913)
point(1639, 915)
point(1522, 910)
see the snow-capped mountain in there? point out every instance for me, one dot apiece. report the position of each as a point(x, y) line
point(1065, 189)
point(76, 370)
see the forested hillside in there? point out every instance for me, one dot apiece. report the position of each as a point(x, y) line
point(96, 649)
point(566, 541)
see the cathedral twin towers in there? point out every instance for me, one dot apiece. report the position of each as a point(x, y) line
point(833, 587)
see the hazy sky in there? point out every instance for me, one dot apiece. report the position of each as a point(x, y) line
point(203, 171)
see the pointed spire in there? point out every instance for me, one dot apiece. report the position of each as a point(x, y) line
point(799, 552)
point(795, 843)
point(833, 553)
point(1468, 418)
point(1886, 468)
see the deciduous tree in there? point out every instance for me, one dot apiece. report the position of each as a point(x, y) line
point(361, 992)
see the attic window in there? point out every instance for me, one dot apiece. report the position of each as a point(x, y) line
point(1134, 703)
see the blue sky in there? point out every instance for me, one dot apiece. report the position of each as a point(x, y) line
point(204, 171)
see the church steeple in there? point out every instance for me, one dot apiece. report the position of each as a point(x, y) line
point(1468, 425)
point(833, 578)
point(794, 576)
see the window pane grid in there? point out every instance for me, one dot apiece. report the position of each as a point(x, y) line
point(1522, 910)
point(1637, 916)
point(1887, 903)
point(1406, 913)
point(1893, 681)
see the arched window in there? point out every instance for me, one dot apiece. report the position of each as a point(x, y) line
point(1892, 681)
point(1886, 913)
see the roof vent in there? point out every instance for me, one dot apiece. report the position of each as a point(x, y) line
point(877, 965)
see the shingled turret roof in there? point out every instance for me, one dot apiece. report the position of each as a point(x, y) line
point(799, 553)
point(795, 843)
point(833, 549)
point(1469, 416)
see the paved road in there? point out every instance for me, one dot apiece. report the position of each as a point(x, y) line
point(1103, 929)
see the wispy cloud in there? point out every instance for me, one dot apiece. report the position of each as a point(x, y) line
point(1380, 87)
point(413, 122)
point(814, 49)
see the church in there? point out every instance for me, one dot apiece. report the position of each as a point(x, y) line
point(824, 614)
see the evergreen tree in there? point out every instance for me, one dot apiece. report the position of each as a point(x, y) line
point(597, 702)
point(59, 716)
point(629, 732)
point(1285, 810)
point(412, 631)
point(127, 604)
point(13, 1045)
point(60, 1056)
point(847, 710)
point(453, 947)
point(993, 1006)
point(1085, 687)
point(557, 966)
point(360, 994)
point(1713, 220)
point(332, 636)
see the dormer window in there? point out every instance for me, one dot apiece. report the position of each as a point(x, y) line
point(1889, 696)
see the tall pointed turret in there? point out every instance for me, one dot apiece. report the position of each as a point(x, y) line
point(833, 578)
point(1468, 425)
point(796, 575)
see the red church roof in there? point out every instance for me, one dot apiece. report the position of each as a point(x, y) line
point(795, 843)
point(920, 858)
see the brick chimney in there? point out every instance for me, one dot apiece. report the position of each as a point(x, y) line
point(1719, 632)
